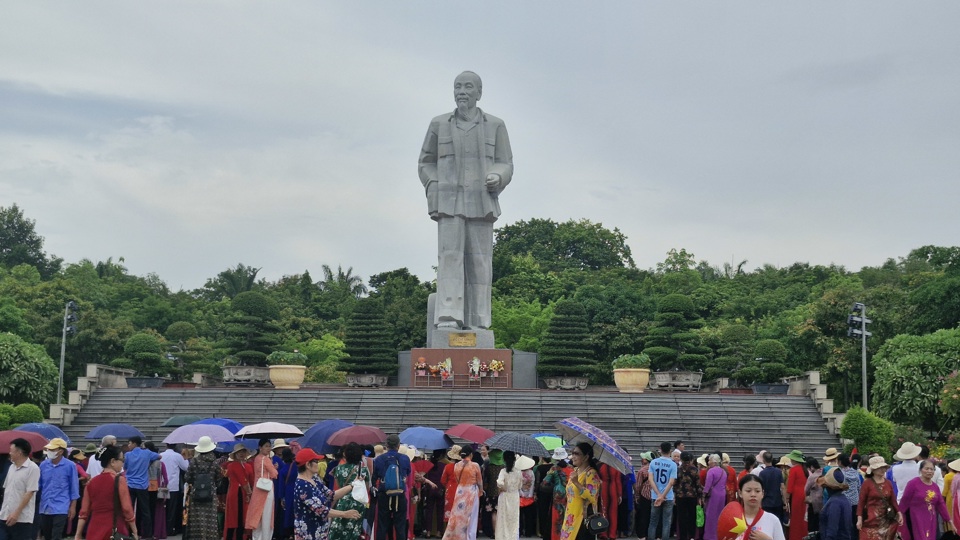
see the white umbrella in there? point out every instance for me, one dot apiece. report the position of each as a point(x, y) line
point(269, 430)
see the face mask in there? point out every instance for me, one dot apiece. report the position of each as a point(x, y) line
point(51, 454)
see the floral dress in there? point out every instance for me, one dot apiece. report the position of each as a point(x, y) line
point(342, 528)
point(578, 499)
point(312, 507)
point(875, 502)
point(466, 503)
point(556, 480)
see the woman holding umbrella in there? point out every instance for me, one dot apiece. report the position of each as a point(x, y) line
point(583, 489)
point(462, 524)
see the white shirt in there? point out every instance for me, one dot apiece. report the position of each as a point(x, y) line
point(769, 524)
point(756, 470)
point(174, 463)
point(93, 467)
point(20, 481)
point(904, 473)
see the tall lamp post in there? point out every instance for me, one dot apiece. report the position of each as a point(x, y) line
point(857, 324)
point(69, 316)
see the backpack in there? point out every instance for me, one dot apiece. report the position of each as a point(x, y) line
point(203, 487)
point(393, 483)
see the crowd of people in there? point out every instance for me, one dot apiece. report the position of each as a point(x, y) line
point(397, 492)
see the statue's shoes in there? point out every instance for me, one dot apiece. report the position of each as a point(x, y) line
point(448, 324)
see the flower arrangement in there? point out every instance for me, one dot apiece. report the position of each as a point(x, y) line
point(442, 369)
point(496, 365)
point(421, 363)
point(484, 367)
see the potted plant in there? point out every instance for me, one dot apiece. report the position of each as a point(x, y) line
point(238, 373)
point(287, 369)
point(631, 372)
point(143, 353)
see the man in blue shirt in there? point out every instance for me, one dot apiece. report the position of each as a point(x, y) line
point(771, 478)
point(137, 465)
point(663, 474)
point(59, 490)
point(391, 509)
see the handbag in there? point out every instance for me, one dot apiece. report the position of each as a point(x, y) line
point(596, 523)
point(701, 516)
point(359, 489)
point(114, 533)
point(264, 483)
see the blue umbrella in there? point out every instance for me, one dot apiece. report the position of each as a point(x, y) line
point(49, 431)
point(316, 436)
point(120, 431)
point(227, 446)
point(425, 438)
point(232, 425)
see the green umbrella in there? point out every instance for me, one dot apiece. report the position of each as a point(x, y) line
point(549, 440)
point(181, 420)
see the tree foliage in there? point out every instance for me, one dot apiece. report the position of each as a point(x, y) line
point(581, 245)
point(869, 432)
point(672, 342)
point(20, 243)
point(252, 332)
point(368, 341)
point(27, 373)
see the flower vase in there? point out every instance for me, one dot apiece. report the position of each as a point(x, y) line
point(495, 374)
point(421, 372)
point(483, 373)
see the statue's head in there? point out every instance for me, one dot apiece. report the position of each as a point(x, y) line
point(467, 88)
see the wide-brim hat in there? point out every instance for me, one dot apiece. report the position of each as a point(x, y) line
point(877, 462)
point(56, 443)
point(560, 453)
point(453, 454)
point(724, 458)
point(647, 456)
point(524, 463)
point(90, 449)
point(280, 443)
point(784, 461)
point(907, 451)
point(702, 460)
point(831, 454)
point(495, 457)
point(379, 449)
point(796, 455)
point(307, 455)
point(834, 479)
point(237, 448)
point(407, 451)
point(954, 465)
point(206, 444)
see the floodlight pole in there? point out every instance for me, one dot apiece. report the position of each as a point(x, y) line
point(863, 352)
point(63, 352)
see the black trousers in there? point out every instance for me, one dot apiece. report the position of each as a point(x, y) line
point(391, 517)
point(52, 525)
point(686, 518)
point(642, 517)
point(528, 520)
point(175, 513)
point(141, 500)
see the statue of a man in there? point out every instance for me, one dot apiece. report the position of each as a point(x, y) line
point(465, 163)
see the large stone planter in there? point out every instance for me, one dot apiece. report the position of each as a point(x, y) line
point(366, 380)
point(287, 377)
point(677, 380)
point(566, 383)
point(778, 389)
point(246, 376)
point(145, 382)
point(631, 380)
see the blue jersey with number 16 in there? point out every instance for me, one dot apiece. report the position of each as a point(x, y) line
point(662, 470)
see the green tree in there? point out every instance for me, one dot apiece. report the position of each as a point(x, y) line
point(936, 305)
point(672, 342)
point(12, 319)
point(404, 299)
point(557, 246)
point(566, 348)
point(869, 432)
point(252, 332)
point(143, 353)
point(27, 373)
point(368, 341)
point(231, 282)
point(734, 352)
point(519, 324)
point(20, 243)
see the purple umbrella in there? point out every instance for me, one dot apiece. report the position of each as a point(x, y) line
point(605, 449)
point(191, 433)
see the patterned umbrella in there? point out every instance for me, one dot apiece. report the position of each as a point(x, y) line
point(120, 431)
point(425, 438)
point(605, 449)
point(357, 434)
point(470, 432)
point(49, 431)
point(550, 441)
point(517, 442)
point(190, 434)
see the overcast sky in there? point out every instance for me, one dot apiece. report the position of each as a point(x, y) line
point(188, 137)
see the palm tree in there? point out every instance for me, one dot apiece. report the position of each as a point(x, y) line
point(343, 281)
point(234, 281)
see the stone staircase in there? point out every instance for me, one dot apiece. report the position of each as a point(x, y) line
point(707, 422)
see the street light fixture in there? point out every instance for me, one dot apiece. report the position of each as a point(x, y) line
point(857, 328)
point(69, 316)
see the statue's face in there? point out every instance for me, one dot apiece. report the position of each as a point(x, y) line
point(466, 90)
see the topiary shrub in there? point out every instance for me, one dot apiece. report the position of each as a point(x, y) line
point(252, 332)
point(566, 344)
point(7, 409)
point(26, 413)
point(4, 421)
point(672, 343)
point(143, 352)
point(869, 432)
point(367, 341)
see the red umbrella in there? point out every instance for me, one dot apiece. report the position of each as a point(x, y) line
point(37, 441)
point(470, 432)
point(357, 434)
